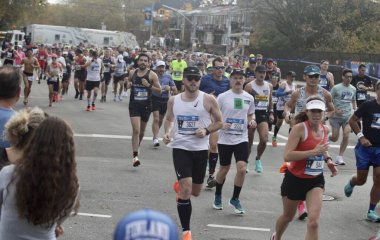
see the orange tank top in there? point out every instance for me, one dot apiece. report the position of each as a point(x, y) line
point(312, 166)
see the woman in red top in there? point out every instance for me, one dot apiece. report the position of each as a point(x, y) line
point(306, 150)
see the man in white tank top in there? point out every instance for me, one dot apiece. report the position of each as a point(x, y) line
point(262, 93)
point(94, 71)
point(238, 108)
point(188, 121)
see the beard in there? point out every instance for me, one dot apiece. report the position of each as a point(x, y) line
point(191, 88)
point(142, 67)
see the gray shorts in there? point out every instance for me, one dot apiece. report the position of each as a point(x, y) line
point(337, 122)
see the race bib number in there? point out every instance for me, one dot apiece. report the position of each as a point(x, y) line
point(237, 126)
point(314, 165)
point(107, 69)
point(9, 54)
point(187, 125)
point(262, 102)
point(64, 70)
point(78, 67)
point(54, 79)
point(95, 68)
point(119, 71)
point(42, 57)
point(323, 82)
point(274, 99)
point(141, 94)
point(177, 74)
point(30, 78)
point(346, 97)
point(361, 96)
point(375, 121)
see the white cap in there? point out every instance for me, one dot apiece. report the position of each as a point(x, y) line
point(160, 63)
point(125, 54)
point(316, 104)
point(120, 58)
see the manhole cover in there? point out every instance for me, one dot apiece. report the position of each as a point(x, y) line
point(327, 198)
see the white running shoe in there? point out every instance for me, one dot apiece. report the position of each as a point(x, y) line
point(339, 160)
point(156, 143)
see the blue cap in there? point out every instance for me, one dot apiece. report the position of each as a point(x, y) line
point(312, 70)
point(146, 224)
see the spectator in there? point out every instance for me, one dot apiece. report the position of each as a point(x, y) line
point(10, 89)
point(146, 224)
point(39, 192)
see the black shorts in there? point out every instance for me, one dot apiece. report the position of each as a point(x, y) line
point(279, 114)
point(240, 152)
point(159, 104)
point(116, 79)
point(80, 75)
point(106, 78)
point(261, 116)
point(54, 83)
point(295, 188)
point(139, 110)
point(190, 164)
point(90, 85)
point(178, 85)
point(66, 77)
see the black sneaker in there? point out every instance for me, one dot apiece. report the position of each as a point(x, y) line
point(76, 95)
point(81, 96)
point(211, 182)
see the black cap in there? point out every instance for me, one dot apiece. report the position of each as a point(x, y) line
point(260, 68)
point(191, 71)
point(237, 71)
point(200, 63)
point(252, 60)
point(291, 73)
point(269, 60)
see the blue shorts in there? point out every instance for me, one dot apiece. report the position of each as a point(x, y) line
point(366, 157)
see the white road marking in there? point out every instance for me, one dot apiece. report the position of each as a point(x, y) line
point(151, 139)
point(94, 215)
point(239, 228)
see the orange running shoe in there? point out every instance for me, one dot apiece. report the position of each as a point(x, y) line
point(186, 235)
point(176, 189)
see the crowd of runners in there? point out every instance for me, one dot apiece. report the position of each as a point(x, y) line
point(211, 109)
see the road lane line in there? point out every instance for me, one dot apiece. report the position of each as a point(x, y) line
point(239, 228)
point(94, 215)
point(151, 138)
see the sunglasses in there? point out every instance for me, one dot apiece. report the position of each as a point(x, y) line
point(315, 110)
point(191, 78)
point(220, 67)
point(313, 76)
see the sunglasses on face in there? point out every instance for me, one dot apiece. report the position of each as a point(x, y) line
point(219, 68)
point(191, 78)
point(314, 76)
point(315, 110)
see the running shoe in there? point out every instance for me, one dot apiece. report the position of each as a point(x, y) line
point(156, 143)
point(88, 108)
point(120, 98)
point(101, 99)
point(376, 237)
point(372, 216)
point(136, 161)
point(273, 237)
point(235, 203)
point(348, 189)
point(217, 202)
point(302, 214)
point(114, 98)
point(176, 190)
point(80, 96)
point(93, 108)
point(211, 181)
point(339, 160)
point(259, 166)
point(186, 235)
point(76, 95)
point(247, 169)
point(105, 99)
point(274, 141)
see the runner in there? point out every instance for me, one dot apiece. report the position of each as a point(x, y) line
point(262, 93)
point(344, 100)
point(177, 67)
point(66, 74)
point(30, 63)
point(94, 71)
point(286, 88)
point(118, 77)
point(306, 150)
point(326, 79)
point(238, 108)
point(214, 84)
point(250, 70)
point(42, 57)
point(62, 61)
point(108, 63)
point(79, 74)
point(142, 82)
point(190, 112)
point(160, 101)
point(53, 73)
point(367, 151)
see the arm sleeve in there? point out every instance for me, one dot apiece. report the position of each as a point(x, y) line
point(280, 92)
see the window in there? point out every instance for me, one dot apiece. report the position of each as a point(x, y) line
point(57, 37)
point(106, 41)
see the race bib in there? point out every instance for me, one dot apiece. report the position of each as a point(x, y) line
point(95, 68)
point(119, 70)
point(54, 79)
point(78, 67)
point(323, 82)
point(262, 102)
point(274, 99)
point(346, 97)
point(187, 125)
point(107, 69)
point(177, 74)
point(9, 54)
point(42, 57)
point(141, 94)
point(237, 126)
point(361, 96)
point(314, 165)
point(30, 78)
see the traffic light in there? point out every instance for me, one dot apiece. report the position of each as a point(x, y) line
point(166, 15)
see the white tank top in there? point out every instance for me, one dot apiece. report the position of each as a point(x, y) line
point(93, 71)
point(189, 116)
point(280, 106)
point(261, 95)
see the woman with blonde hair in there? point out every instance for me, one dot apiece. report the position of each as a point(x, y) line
point(18, 131)
point(40, 190)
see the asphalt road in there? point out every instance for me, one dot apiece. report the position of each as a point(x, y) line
point(111, 187)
